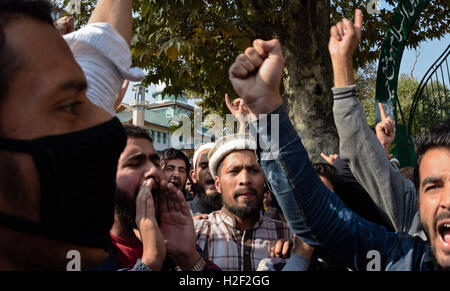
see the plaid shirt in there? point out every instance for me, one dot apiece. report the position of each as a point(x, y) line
point(232, 249)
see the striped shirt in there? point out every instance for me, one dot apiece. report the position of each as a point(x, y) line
point(232, 249)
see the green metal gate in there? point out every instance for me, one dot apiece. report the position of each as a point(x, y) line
point(431, 100)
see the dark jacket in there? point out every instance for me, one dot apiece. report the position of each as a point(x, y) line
point(320, 218)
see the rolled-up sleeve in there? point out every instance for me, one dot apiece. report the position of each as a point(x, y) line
point(105, 58)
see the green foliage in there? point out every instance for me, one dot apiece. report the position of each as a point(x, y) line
point(190, 44)
point(407, 87)
point(432, 107)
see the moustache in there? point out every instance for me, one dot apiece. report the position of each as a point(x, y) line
point(246, 190)
point(441, 216)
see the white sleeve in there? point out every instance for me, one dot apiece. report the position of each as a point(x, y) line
point(105, 58)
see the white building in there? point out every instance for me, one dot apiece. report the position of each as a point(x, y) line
point(156, 116)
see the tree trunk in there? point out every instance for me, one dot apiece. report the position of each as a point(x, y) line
point(308, 75)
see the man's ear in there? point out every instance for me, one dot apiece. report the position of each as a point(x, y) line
point(217, 184)
point(193, 176)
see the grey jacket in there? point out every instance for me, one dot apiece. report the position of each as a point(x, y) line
point(394, 195)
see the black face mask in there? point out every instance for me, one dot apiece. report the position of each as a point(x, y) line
point(77, 173)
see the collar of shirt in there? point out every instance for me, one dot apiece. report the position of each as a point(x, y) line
point(229, 219)
point(127, 251)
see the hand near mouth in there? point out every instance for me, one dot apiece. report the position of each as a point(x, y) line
point(175, 183)
point(177, 227)
point(154, 250)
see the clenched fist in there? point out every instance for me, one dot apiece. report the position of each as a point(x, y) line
point(256, 76)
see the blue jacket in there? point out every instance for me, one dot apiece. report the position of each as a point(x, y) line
point(319, 217)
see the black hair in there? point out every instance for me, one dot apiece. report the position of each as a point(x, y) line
point(328, 171)
point(11, 10)
point(174, 154)
point(438, 136)
point(137, 132)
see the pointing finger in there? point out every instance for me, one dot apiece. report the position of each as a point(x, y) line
point(382, 112)
point(358, 22)
point(227, 101)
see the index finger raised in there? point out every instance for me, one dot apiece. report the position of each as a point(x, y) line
point(358, 22)
point(382, 112)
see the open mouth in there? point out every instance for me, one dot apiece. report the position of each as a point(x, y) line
point(210, 184)
point(444, 233)
point(175, 183)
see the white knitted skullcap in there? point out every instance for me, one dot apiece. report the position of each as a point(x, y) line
point(200, 149)
point(393, 160)
point(228, 144)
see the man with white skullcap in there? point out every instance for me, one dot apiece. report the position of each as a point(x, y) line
point(238, 237)
point(206, 199)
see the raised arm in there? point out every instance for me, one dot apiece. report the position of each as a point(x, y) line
point(304, 199)
point(394, 195)
point(385, 130)
point(102, 49)
point(116, 13)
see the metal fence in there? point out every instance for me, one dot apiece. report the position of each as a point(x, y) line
point(431, 104)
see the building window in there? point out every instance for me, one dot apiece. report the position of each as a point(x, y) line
point(159, 137)
point(164, 138)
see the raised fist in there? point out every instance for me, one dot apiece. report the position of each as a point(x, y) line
point(256, 76)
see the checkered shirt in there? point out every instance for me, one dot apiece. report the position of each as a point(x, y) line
point(232, 249)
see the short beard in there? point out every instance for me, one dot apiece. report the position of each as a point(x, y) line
point(247, 211)
point(125, 210)
point(433, 256)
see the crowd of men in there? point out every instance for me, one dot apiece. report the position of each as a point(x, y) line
point(72, 177)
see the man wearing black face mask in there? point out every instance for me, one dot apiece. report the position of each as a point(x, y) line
point(57, 180)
